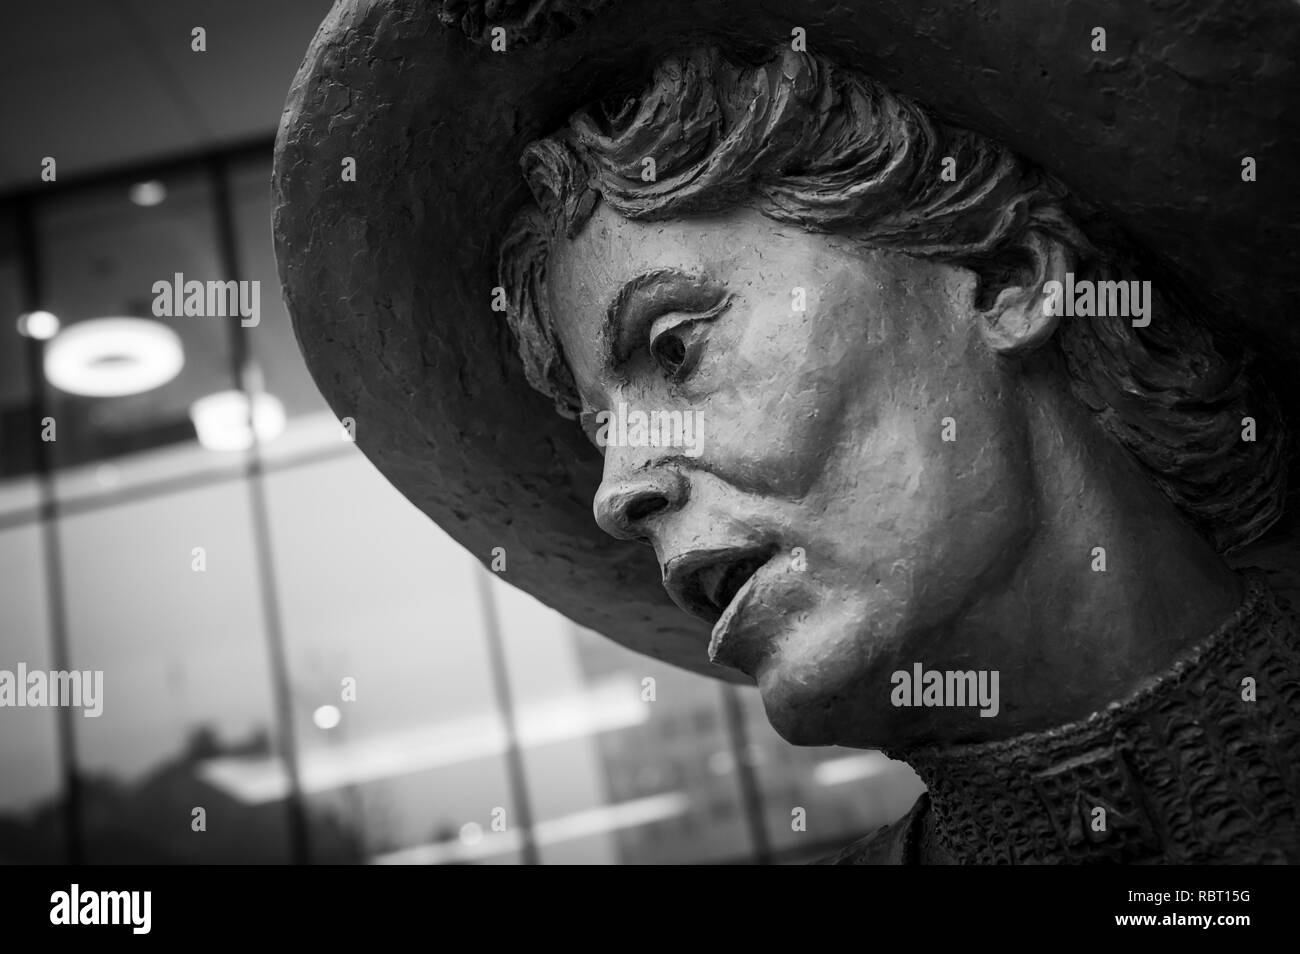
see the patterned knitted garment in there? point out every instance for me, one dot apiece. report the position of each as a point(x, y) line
point(1200, 765)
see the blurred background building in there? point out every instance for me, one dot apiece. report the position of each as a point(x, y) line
point(286, 643)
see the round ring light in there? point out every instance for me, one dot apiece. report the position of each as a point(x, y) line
point(113, 357)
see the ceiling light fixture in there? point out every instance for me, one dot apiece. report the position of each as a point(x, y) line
point(221, 420)
point(112, 357)
point(40, 325)
point(148, 193)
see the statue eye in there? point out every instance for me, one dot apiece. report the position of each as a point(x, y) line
point(671, 345)
point(677, 340)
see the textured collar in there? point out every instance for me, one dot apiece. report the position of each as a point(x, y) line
point(1184, 771)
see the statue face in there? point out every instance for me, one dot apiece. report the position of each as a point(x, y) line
point(825, 526)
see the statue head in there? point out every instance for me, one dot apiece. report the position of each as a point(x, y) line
point(904, 448)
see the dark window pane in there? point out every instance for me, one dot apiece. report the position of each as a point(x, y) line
point(30, 821)
point(19, 424)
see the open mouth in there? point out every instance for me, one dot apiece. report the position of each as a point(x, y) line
point(705, 584)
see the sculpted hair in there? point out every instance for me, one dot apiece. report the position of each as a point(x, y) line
point(811, 145)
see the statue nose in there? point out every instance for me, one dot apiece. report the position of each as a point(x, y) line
point(624, 506)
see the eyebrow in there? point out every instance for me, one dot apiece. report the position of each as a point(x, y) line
point(616, 313)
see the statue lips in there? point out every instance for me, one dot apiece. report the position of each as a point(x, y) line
point(733, 643)
point(714, 585)
point(705, 582)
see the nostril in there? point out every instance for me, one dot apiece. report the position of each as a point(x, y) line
point(644, 506)
point(625, 508)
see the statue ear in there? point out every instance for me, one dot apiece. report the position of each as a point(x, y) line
point(1025, 311)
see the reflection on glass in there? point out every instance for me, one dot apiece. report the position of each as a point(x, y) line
point(648, 782)
point(31, 826)
point(381, 623)
point(165, 601)
point(844, 793)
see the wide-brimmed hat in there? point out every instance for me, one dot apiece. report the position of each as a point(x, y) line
point(388, 273)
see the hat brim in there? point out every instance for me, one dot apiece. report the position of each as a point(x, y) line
point(389, 277)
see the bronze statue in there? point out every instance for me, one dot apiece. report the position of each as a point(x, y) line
point(943, 462)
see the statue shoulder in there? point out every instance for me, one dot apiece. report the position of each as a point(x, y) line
point(905, 842)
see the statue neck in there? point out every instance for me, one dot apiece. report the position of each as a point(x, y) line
point(1115, 584)
point(1197, 765)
